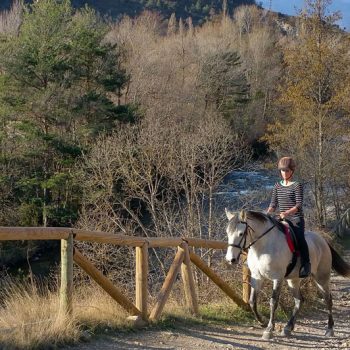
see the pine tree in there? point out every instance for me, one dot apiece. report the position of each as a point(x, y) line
point(224, 83)
point(57, 78)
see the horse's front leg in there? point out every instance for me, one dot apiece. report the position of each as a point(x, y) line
point(256, 284)
point(273, 306)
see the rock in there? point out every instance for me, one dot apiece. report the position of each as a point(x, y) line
point(85, 336)
point(137, 321)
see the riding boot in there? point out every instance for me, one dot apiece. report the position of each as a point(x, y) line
point(305, 269)
point(299, 229)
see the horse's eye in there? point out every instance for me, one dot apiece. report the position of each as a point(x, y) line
point(241, 234)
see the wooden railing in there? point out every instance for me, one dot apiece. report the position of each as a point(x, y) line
point(182, 262)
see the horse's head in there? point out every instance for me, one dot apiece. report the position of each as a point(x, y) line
point(236, 234)
point(243, 224)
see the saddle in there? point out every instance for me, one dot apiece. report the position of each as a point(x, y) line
point(292, 244)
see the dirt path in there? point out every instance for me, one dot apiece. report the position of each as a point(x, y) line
point(308, 333)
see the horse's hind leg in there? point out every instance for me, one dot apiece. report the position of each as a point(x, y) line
point(273, 306)
point(294, 286)
point(323, 285)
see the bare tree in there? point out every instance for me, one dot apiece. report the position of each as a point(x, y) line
point(172, 25)
point(10, 20)
point(245, 18)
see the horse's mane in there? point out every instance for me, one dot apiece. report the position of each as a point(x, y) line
point(263, 218)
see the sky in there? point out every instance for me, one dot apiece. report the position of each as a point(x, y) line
point(290, 7)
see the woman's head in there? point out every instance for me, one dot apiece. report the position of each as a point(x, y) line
point(286, 166)
point(286, 163)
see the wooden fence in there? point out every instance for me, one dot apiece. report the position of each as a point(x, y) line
point(183, 261)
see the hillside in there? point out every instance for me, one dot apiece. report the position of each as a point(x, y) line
point(199, 10)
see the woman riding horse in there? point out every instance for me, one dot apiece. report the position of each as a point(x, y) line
point(269, 257)
point(287, 196)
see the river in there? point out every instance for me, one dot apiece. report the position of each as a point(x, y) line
point(246, 189)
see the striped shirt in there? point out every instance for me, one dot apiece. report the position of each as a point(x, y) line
point(287, 197)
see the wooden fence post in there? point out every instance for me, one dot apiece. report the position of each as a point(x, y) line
point(246, 287)
point(218, 281)
point(66, 291)
point(142, 279)
point(188, 281)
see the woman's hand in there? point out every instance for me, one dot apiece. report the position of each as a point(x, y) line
point(283, 215)
point(270, 210)
point(288, 212)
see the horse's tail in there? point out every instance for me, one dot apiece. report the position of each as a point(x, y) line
point(338, 264)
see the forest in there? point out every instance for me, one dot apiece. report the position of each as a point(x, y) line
point(104, 119)
point(199, 10)
point(130, 123)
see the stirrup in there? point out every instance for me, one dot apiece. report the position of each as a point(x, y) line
point(305, 270)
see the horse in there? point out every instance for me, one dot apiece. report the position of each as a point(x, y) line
point(268, 257)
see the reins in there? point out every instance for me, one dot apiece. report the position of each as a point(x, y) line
point(244, 237)
point(262, 235)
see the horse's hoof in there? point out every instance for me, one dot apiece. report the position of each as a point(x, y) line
point(286, 332)
point(267, 335)
point(329, 333)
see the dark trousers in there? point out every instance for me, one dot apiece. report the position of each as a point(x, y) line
point(298, 225)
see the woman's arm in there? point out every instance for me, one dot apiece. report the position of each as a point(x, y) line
point(270, 210)
point(274, 201)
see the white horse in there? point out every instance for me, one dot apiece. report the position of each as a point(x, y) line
point(269, 256)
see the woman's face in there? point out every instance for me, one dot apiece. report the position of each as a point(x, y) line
point(286, 174)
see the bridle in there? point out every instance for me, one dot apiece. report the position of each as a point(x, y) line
point(244, 238)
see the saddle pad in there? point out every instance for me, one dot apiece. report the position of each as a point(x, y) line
point(290, 240)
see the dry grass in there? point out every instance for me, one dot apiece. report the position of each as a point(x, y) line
point(95, 309)
point(29, 317)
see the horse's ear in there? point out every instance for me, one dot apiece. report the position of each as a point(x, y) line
point(243, 215)
point(229, 214)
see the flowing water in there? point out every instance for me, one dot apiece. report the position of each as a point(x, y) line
point(246, 189)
